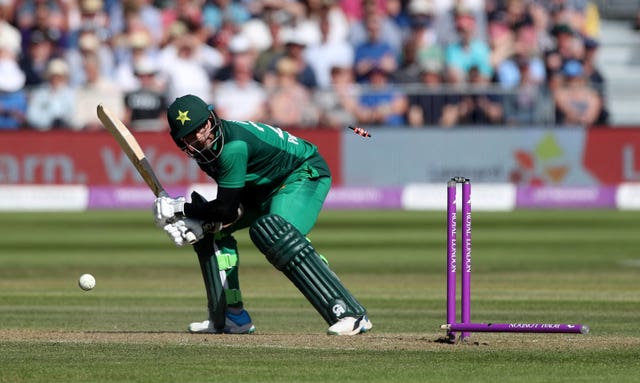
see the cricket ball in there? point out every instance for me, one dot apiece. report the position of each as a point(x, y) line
point(87, 282)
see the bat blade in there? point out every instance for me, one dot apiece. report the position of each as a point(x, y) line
point(131, 148)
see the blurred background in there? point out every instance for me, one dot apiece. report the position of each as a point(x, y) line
point(535, 100)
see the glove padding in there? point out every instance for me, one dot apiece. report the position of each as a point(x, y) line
point(189, 230)
point(167, 210)
point(174, 233)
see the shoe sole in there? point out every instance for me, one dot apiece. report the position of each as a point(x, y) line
point(203, 331)
point(361, 330)
point(251, 330)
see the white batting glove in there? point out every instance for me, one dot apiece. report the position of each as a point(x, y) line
point(190, 229)
point(167, 209)
point(174, 234)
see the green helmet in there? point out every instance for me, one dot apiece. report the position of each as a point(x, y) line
point(188, 114)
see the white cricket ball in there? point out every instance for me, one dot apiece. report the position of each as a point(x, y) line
point(87, 282)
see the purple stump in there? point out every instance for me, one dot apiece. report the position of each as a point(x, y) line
point(466, 256)
point(451, 255)
point(518, 327)
point(467, 327)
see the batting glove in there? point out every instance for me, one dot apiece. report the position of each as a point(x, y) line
point(190, 229)
point(174, 233)
point(167, 209)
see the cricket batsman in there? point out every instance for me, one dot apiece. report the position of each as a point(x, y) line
point(270, 182)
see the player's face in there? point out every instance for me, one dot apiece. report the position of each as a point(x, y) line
point(205, 143)
point(200, 139)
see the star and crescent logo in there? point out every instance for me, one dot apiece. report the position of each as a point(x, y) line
point(182, 116)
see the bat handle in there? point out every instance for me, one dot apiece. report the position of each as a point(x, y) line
point(190, 237)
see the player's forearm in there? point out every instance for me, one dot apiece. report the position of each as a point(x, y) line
point(223, 209)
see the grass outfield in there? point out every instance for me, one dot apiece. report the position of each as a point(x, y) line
point(545, 266)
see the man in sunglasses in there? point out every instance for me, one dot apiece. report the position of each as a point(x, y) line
point(270, 182)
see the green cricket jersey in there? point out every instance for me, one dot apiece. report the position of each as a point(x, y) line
point(259, 157)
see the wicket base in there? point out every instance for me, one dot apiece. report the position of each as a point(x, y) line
point(518, 327)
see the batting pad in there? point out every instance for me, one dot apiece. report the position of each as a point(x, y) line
point(290, 252)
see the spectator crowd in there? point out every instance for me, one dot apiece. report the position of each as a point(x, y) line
point(302, 63)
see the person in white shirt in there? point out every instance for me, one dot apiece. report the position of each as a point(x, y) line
point(188, 65)
point(327, 54)
point(52, 104)
point(241, 98)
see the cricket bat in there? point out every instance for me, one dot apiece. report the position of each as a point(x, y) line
point(132, 149)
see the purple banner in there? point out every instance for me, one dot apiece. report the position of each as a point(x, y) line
point(134, 197)
point(354, 197)
point(566, 197)
point(109, 197)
